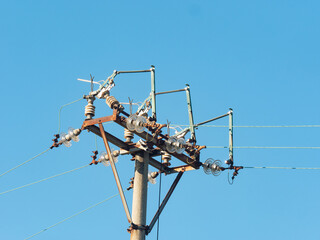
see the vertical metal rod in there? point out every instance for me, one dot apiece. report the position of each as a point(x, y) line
point(139, 199)
point(153, 93)
point(165, 200)
point(231, 135)
point(115, 173)
point(191, 122)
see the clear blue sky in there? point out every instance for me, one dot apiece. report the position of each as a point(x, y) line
point(262, 58)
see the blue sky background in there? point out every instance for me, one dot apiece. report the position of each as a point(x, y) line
point(259, 57)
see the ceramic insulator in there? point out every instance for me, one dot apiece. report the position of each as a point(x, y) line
point(166, 157)
point(128, 135)
point(111, 101)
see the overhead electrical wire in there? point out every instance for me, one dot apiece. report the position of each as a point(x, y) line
point(46, 149)
point(62, 108)
point(24, 162)
point(253, 126)
point(262, 147)
point(72, 216)
point(42, 180)
point(298, 168)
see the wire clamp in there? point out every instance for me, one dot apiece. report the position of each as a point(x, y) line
point(55, 141)
point(138, 227)
point(131, 184)
point(94, 157)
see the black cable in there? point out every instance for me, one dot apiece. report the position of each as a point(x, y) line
point(159, 199)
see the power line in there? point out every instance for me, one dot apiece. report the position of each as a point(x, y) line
point(298, 168)
point(62, 108)
point(48, 148)
point(42, 180)
point(262, 147)
point(253, 126)
point(72, 216)
point(24, 162)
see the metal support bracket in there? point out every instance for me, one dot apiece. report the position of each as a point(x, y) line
point(115, 173)
point(164, 202)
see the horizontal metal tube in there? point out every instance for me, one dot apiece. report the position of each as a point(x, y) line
point(135, 71)
point(210, 120)
point(173, 91)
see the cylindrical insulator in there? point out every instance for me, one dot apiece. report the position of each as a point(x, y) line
point(89, 111)
point(112, 101)
point(166, 157)
point(128, 135)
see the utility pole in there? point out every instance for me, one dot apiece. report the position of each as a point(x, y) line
point(139, 200)
point(153, 143)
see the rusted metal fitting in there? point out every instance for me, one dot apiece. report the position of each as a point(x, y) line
point(55, 141)
point(236, 169)
point(155, 128)
point(138, 227)
point(94, 157)
point(122, 119)
point(199, 148)
point(131, 184)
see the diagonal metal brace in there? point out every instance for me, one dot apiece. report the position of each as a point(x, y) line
point(115, 173)
point(164, 202)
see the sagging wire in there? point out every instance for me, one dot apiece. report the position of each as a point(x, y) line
point(262, 147)
point(24, 162)
point(249, 126)
point(62, 108)
point(293, 168)
point(72, 216)
point(59, 127)
point(45, 179)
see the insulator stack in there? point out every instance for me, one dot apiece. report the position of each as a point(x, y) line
point(90, 109)
point(166, 157)
point(128, 135)
point(112, 102)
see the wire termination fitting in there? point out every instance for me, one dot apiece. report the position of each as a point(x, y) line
point(94, 157)
point(55, 141)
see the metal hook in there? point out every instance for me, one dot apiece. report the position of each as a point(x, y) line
point(91, 80)
point(168, 127)
point(130, 105)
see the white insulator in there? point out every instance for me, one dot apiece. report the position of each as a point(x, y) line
point(166, 157)
point(111, 101)
point(103, 93)
point(128, 135)
point(89, 110)
point(152, 177)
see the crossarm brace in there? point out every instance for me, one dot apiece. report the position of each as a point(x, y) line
point(115, 173)
point(164, 202)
